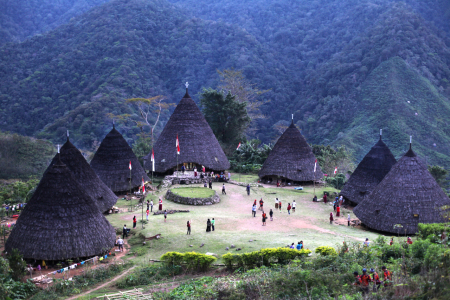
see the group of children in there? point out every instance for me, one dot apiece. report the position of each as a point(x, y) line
point(299, 246)
point(364, 280)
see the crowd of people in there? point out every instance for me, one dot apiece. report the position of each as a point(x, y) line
point(364, 280)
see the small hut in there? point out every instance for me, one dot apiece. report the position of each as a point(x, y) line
point(111, 164)
point(77, 164)
point(291, 159)
point(61, 221)
point(198, 144)
point(369, 173)
point(407, 195)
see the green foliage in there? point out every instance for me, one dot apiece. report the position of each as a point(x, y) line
point(329, 158)
point(142, 147)
point(250, 156)
point(264, 257)
point(16, 264)
point(326, 251)
point(23, 157)
point(193, 192)
point(194, 289)
point(439, 174)
point(147, 275)
point(425, 230)
point(17, 192)
point(227, 117)
point(193, 261)
point(337, 181)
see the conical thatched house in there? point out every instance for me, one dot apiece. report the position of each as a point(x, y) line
point(369, 173)
point(111, 163)
point(61, 221)
point(198, 144)
point(291, 158)
point(74, 160)
point(407, 195)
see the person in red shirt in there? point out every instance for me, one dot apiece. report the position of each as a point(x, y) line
point(325, 198)
point(289, 208)
point(279, 205)
point(387, 276)
point(409, 240)
point(375, 279)
point(338, 211)
point(391, 242)
point(331, 218)
point(134, 222)
point(365, 280)
point(357, 278)
point(261, 203)
point(264, 217)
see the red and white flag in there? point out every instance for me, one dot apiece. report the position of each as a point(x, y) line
point(178, 146)
point(315, 166)
point(238, 146)
point(153, 161)
point(143, 186)
point(335, 171)
point(129, 167)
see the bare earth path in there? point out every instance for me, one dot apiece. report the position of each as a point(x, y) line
point(102, 285)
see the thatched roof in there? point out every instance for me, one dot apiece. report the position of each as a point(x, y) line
point(61, 221)
point(369, 173)
point(291, 158)
point(198, 144)
point(74, 160)
point(407, 195)
point(111, 162)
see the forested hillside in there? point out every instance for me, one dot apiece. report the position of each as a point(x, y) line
point(22, 19)
point(326, 61)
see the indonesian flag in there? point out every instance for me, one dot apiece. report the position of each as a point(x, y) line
point(238, 146)
point(143, 186)
point(129, 167)
point(335, 171)
point(315, 166)
point(178, 146)
point(153, 161)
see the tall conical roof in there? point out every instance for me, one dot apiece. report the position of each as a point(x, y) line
point(369, 173)
point(61, 221)
point(291, 158)
point(74, 160)
point(407, 195)
point(111, 163)
point(198, 144)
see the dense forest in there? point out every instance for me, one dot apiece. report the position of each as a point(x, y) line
point(344, 68)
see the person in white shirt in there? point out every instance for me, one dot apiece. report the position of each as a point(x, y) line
point(120, 244)
point(276, 203)
point(293, 206)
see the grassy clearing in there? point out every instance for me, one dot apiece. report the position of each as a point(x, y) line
point(247, 178)
point(193, 192)
point(235, 224)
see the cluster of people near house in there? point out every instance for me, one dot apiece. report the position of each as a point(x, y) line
point(364, 280)
point(13, 208)
point(213, 176)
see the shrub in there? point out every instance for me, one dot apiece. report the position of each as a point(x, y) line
point(391, 251)
point(326, 251)
point(433, 256)
point(17, 265)
point(425, 230)
point(193, 260)
point(419, 248)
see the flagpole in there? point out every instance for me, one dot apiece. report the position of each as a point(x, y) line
point(153, 160)
point(131, 198)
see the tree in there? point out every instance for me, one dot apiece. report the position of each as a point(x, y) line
point(227, 117)
point(17, 264)
point(330, 158)
point(234, 82)
point(439, 174)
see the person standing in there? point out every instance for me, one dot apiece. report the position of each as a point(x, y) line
point(147, 214)
point(151, 205)
point(391, 242)
point(261, 203)
point(188, 227)
point(271, 214)
point(325, 198)
point(375, 279)
point(331, 218)
point(293, 206)
point(203, 169)
point(264, 217)
point(165, 215)
point(124, 231)
point(276, 203)
point(279, 204)
point(134, 222)
point(195, 172)
point(387, 276)
point(213, 223)
point(120, 244)
point(208, 226)
point(210, 183)
point(289, 208)
point(229, 176)
point(365, 280)
point(248, 189)
point(254, 210)
point(348, 220)
point(338, 211)
point(160, 204)
point(223, 189)
point(148, 205)
point(183, 168)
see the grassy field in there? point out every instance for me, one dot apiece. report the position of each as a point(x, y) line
point(193, 192)
point(235, 224)
point(247, 178)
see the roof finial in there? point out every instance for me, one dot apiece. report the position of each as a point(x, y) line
point(58, 148)
point(410, 141)
point(381, 133)
point(114, 126)
point(67, 134)
point(292, 116)
point(187, 85)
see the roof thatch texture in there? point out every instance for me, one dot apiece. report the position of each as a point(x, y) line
point(61, 221)
point(369, 173)
point(407, 195)
point(111, 162)
point(77, 164)
point(291, 158)
point(198, 144)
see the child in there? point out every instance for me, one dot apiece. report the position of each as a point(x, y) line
point(293, 206)
point(165, 215)
point(289, 208)
point(188, 227)
point(279, 204)
point(271, 215)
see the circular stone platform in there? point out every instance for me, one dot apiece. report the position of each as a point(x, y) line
point(200, 196)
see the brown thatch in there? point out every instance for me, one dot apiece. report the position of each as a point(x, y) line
point(407, 195)
point(291, 158)
point(111, 162)
point(369, 173)
point(198, 144)
point(61, 221)
point(74, 160)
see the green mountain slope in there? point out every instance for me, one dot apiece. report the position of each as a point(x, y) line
point(26, 18)
point(401, 102)
point(73, 76)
